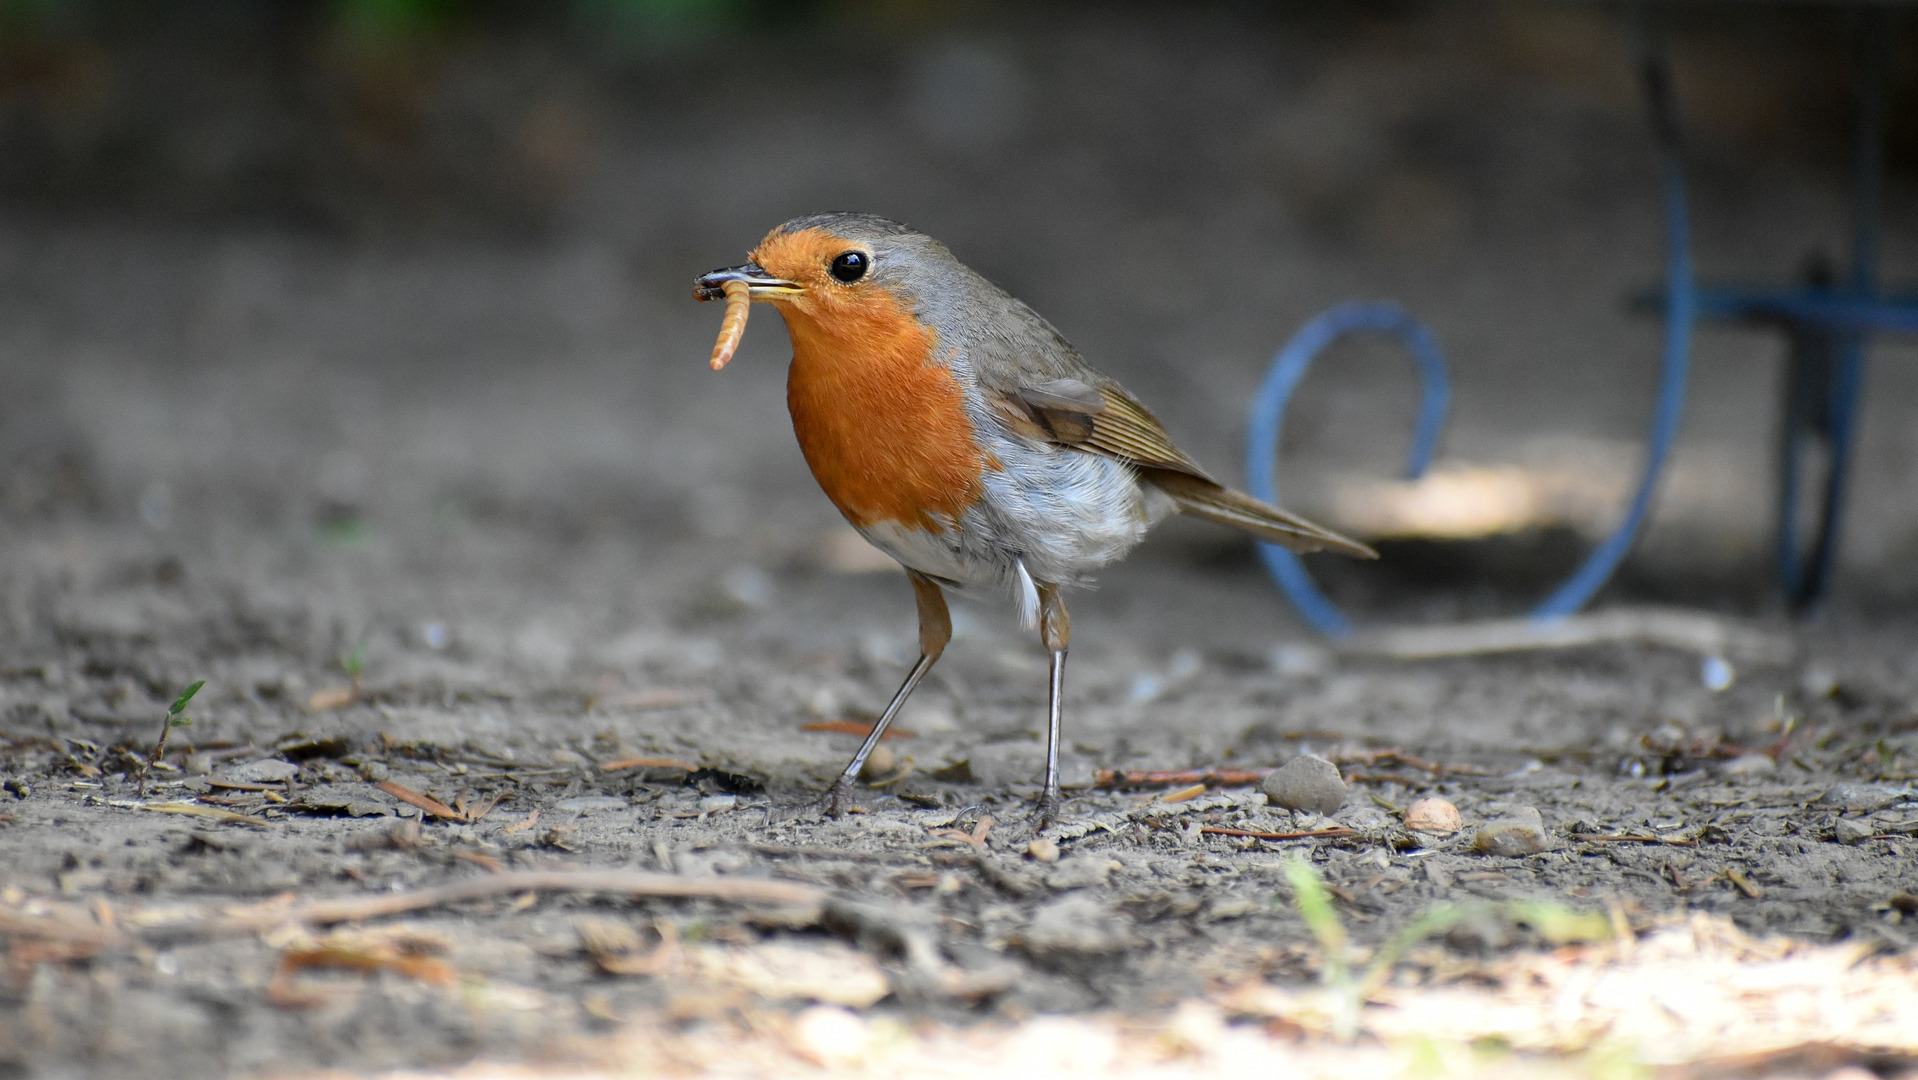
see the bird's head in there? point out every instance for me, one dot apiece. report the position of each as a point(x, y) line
point(844, 269)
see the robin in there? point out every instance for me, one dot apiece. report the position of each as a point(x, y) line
point(964, 437)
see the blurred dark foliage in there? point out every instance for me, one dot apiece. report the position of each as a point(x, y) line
point(374, 114)
point(326, 112)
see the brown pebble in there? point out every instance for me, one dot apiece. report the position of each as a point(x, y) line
point(1306, 783)
point(1044, 850)
point(880, 764)
point(1521, 832)
point(1433, 816)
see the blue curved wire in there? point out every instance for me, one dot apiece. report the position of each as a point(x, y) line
point(1681, 311)
point(1807, 577)
point(1268, 412)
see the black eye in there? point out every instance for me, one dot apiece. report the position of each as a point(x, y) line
point(850, 266)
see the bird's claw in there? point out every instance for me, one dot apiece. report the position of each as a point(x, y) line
point(1045, 813)
point(837, 799)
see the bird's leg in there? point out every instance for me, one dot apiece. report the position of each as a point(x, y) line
point(1055, 629)
point(935, 629)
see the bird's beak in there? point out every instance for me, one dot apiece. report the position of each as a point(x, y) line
point(764, 286)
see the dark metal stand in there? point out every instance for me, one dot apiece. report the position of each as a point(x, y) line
point(1828, 327)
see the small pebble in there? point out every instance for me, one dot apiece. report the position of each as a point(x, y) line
point(717, 804)
point(881, 764)
point(1717, 673)
point(1852, 830)
point(1521, 832)
point(1306, 783)
point(1044, 850)
point(1749, 765)
point(1850, 795)
point(1433, 816)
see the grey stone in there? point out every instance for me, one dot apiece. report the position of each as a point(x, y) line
point(1306, 783)
point(1852, 830)
point(1521, 832)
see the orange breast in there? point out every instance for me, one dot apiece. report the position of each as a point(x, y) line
point(883, 427)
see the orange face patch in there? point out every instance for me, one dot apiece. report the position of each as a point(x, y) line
point(882, 425)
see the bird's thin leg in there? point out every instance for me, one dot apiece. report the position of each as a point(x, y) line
point(935, 630)
point(1055, 629)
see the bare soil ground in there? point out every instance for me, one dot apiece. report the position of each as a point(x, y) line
point(493, 477)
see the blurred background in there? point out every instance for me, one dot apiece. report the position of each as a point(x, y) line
point(279, 280)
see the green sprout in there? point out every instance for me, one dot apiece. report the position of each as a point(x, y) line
point(1554, 922)
point(175, 717)
point(1315, 907)
point(353, 663)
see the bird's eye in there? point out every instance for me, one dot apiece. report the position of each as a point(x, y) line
point(850, 266)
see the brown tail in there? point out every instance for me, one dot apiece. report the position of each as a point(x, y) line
point(1202, 498)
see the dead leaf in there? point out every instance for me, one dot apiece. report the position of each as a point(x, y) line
point(197, 810)
point(646, 763)
point(425, 802)
point(369, 958)
point(333, 697)
point(617, 947)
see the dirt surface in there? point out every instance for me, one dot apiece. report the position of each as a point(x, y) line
point(495, 479)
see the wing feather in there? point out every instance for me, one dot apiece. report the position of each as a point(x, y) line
point(1102, 419)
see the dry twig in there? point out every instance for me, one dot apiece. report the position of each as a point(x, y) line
point(1137, 778)
point(1685, 631)
point(804, 903)
point(1302, 834)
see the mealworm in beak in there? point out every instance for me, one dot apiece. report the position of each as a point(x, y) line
point(732, 327)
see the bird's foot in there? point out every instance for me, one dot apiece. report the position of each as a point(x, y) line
point(837, 799)
point(1045, 812)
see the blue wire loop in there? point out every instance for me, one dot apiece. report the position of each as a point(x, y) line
point(1833, 323)
point(1268, 412)
point(1681, 310)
